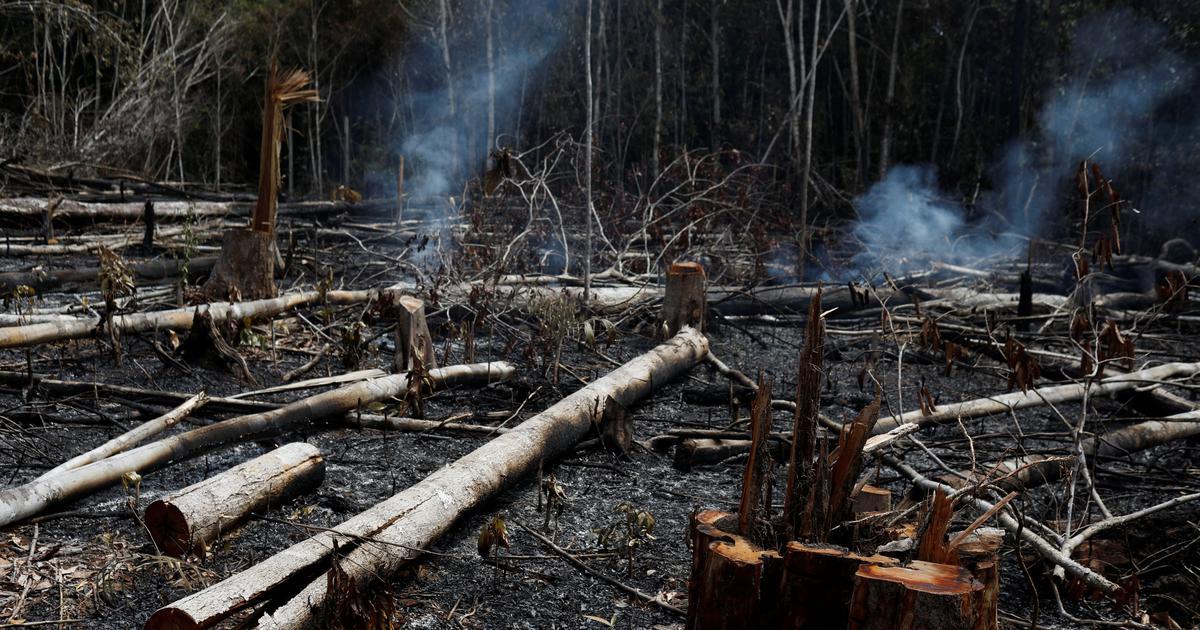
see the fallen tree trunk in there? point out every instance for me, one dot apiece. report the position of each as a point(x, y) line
point(889, 430)
point(1022, 473)
point(188, 521)
point(44, 281)
point(130, 438)
point(21, 502)
point(35, 208)
point(412, 519)
point(177, 319)
point(94, 389)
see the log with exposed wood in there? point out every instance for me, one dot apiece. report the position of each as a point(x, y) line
point(176, 319)
point(21, 502)
point(188, 521)
point(412, 519)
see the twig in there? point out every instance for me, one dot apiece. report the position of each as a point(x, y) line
point(597, 574)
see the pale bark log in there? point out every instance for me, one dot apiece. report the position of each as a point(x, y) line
point(176, 319)
point(44, 281)
point(131, 438)
point(21, 502)
point(35, 208)
point(417, 516)
point(889, 430)
point(188, 521)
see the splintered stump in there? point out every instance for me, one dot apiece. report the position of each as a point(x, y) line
point(413, 340)
point(729, 573)
point(188, 521)
point(817, 584)
point(245, 270)
point(738, 584)
point(916, 596)
point(685, 300)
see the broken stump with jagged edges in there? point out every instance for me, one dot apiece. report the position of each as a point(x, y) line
point(245, 269)
point(685, 300)
point(413, 341)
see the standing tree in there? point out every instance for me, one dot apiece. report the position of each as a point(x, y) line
point(246, 267)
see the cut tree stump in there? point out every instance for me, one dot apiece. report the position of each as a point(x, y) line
point(817, 584)
point(188, 521)
point(686, 299)
point(977, 553)
point(917, 596)
point(729, 576)
point(412, 335)
point(245, 270)
point(872, 499)
point(738, 584)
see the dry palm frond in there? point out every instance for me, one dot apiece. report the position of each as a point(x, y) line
point(283, 89)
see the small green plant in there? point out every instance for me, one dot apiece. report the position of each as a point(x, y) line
point(191, 242)
point(629, 532)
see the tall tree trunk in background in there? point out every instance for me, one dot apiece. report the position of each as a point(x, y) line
point(958, 87)
point(603, 72)
point(451, 108)
point(885, 145)
point(217, 134)
point(587, 161)
point(857, 111)
point(806, 168)
point(1020, 34)
point(714, 44)
point(615, 112)
point(681, 115)
point(789, 47)
point(658, 95)
point(490, 6)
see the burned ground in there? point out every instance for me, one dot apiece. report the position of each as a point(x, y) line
point(93, 562)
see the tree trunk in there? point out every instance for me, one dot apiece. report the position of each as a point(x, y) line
point(188, 521)
point(889, 104)
point(419, 515)
point(130, 438)
point(176, 319)
point(246, 267)
point(789, 47)
point(21, 502)
point(658, 92)
point(74, 279)
point(685, 300)
point(890, 429)
point(587, 164)
point(714, 42)
point(413, 340)
point(858, 112)
point(918, 595)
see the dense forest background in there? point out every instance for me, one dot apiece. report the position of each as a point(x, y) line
point(987, 106)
